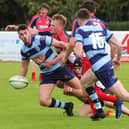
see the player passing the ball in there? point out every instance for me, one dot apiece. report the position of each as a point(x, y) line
point(38, 48)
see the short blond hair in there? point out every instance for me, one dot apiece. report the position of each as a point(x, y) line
point(61, 18)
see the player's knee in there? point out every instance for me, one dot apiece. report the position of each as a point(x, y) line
point(44, 102)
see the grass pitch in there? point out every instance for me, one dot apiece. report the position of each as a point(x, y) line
point(19, 109)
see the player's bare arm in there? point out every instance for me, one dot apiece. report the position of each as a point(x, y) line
point(69, 49)
point(24, 67)
point(60, 44)
point(11, 28)
point(114, 41)
point(78, 49)
point(116, 61)
point(15, 27)
point(49, 63)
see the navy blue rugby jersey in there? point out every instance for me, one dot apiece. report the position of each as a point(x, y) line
point(40, 51)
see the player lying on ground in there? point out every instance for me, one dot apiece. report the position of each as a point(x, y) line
point(88, 109)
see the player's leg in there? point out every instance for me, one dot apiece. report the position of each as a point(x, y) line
point(104, 96)
point(40, 76)
point(85, 110)
point(120, 91)
point(45, 91)
point(108, 79)
point(125, 110)
point(60, 84)
point(34, 67)
point(87, 81)
point(76, 85)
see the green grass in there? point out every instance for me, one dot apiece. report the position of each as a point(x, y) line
point(19, 109)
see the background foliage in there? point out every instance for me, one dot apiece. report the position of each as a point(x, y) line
point(21, 11)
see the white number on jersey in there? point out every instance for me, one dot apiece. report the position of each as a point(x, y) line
point(97, 40)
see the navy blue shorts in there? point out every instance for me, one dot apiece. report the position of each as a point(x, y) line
point(107, 77)
point(62, 73)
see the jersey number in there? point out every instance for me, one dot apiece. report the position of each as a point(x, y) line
point(97, 40)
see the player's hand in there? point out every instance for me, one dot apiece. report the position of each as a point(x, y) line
point(11, 28)
point(49, 63)
point(116, 64)
point(33, 31)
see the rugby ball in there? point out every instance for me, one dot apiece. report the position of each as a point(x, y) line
point(18, 82)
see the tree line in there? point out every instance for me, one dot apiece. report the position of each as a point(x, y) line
point(114, 12)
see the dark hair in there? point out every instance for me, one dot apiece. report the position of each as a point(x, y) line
point(77, 63)
point(22, 27)
point(44, 5)
point(90, 5)
point(62, 18)
point(83, 14)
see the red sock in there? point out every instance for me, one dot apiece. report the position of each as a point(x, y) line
point(91, 105)
point(104, 96)
point(33, 77)
point(40, 77)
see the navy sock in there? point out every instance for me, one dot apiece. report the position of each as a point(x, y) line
point(94, 97)
point(58, 104)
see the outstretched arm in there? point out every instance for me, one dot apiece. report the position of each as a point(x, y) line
point(11, 28)
point(69, 49)
point(24, 67)
point(59, 44)
point(15, 27)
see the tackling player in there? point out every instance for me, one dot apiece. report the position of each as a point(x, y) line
point(38, 48)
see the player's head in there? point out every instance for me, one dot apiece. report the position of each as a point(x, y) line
point(24, 34)
point(58, 23)
point(44, 7)
point(82, 16)
point(90, 5)
point(78, 67)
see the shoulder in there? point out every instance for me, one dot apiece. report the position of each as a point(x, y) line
point(23, 49)
point(83, 28)
point(75, 23)
point(63, 36)
point(49, 18)
point(36, 16)
point(99, 21)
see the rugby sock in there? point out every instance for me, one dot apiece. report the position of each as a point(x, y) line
point(33, 77)
point(108, 97)
point(40, 77)
point(93, 96)
point(58, 104)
